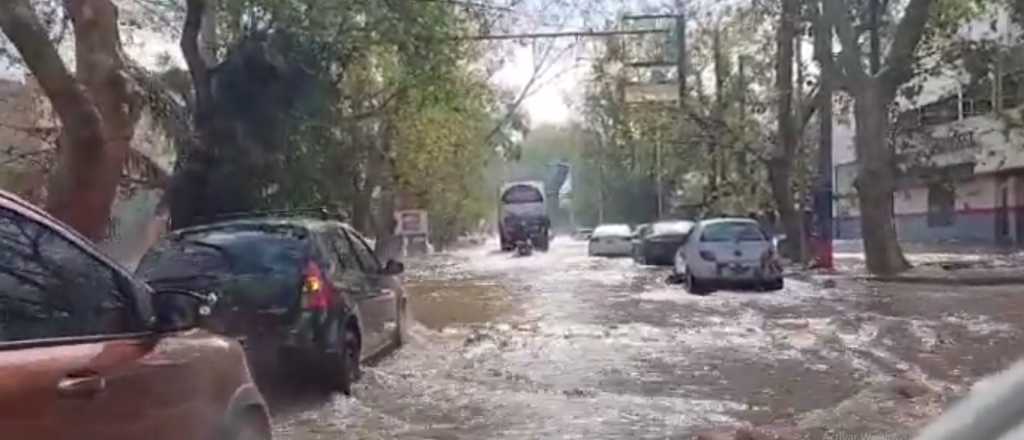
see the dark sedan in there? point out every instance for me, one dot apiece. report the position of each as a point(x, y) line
point(660, 242)
point(306, 292)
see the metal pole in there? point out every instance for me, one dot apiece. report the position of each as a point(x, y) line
point(681, 62)
point(567, 34)
point(657, 175)
point(824, 199)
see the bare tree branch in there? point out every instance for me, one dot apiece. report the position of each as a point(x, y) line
point(197, 66)
point(822, 22)
point(850, 56)
point(77, 114)
point(808, 107)
point(900, 60)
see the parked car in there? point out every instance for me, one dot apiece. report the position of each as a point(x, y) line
point(611, 240)
point(727, 252)
point(658, 243)
point(88, 351)
point(583, 234)
point(639, 233)
point(308, 292)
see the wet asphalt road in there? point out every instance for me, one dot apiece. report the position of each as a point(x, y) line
point(559, 345)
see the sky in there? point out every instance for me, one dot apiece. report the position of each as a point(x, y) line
point(550, 100)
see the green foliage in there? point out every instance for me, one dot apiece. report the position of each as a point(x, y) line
point(393, 105)
point(712, 149)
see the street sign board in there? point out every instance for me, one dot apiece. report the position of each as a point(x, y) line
point(652, 92)
point(412, 222)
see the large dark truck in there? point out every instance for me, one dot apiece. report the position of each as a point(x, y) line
point(523, 216)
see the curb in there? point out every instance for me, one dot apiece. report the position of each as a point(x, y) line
point(1011, 280)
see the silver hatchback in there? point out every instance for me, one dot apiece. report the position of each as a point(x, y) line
point(727, 252)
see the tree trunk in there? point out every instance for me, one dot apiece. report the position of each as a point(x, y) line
point(876, 182)
point(361, 208)
point(208, 34)
point(780, 175)
point(98, 111)
point(875, 56)
point(780, 165)
point(362, 185)
point(388, 245)
point(873, 94)
point(101, 68)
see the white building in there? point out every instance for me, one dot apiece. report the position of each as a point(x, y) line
point(961, 157)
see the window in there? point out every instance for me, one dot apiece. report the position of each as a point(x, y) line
point(50, 287)
point(732, 232)
point(941, 205)
point(522, 194)
point(671, 228)
point(344, 250)
point(364, 254)
point(229, 251)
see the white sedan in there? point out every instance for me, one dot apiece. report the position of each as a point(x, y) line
point(611, 241)
point(727, 252)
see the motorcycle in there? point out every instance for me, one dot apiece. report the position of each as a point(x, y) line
point(524, 236)
point(524, 248)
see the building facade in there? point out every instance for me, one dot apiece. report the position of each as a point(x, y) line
point(960, 153)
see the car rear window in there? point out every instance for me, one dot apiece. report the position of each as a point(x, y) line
point(522, 194)
point(612, 231)
point(672, 228)
point(732, 231)
point(218, 252)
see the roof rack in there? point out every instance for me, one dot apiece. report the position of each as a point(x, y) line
point(323, 212)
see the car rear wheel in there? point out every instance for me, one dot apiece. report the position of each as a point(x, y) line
point(695, 286)
point(541, 242)
point(776, 285)
point(345, 370)
point(251, 425)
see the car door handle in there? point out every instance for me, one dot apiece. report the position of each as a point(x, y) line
point(81, 386)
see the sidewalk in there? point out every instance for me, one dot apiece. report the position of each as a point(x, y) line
point(940, 264)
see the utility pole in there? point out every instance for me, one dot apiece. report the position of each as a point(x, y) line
point(741, 92)
point(600, 193)
point(717, 161)
point(681, 61)
point(657, 175)
point(824, 196)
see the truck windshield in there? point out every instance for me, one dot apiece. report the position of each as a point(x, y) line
point(522, 194)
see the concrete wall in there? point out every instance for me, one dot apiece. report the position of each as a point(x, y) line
point(973, 223)
point(967, 228)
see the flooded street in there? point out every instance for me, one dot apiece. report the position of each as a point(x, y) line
point(561, 345)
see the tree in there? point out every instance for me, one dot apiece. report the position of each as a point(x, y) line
point(98, 107)
point(780, 162)
point(873, 92)
point(378, 105)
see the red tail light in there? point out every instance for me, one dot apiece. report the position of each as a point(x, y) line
point(708, 256)
point(316, 292)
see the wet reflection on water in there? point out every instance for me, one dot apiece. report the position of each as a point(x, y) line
point(560, 345)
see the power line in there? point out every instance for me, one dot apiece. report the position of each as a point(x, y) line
point(649, 16)
point(568, 34)
point(471, 4)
